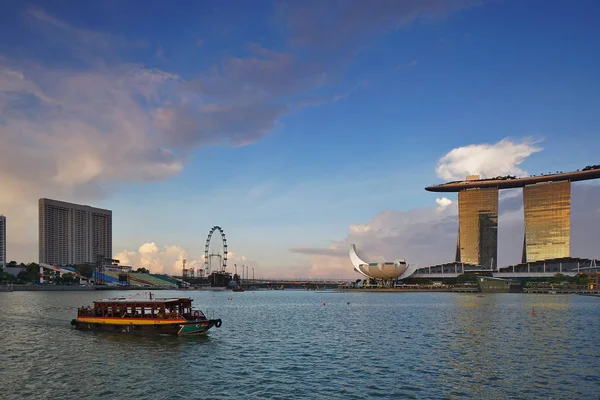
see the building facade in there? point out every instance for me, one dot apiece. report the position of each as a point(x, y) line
point(3, 242)
point(547, 215)
point(72, 233)
point(478, 227)
point(547, 209)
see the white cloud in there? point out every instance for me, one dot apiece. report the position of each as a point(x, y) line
point(169, 259)
point(487, 160)
point(359, 228)
point(443, 203)
point(72, 133)
point(68, 134)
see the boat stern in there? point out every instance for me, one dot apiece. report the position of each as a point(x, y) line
point(199, 327)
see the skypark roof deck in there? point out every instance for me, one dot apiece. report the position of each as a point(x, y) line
point(511, 182)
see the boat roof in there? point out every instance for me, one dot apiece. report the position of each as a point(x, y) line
point(142, 300)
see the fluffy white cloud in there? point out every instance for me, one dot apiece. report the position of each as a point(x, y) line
point(487, 160)
point(69, 134)
point(443, 203)
point(74, 128)
point(169, 259)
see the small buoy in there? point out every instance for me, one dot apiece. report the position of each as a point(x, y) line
point(324, 303)
point(348, 302)
point(533, 311)
point(229, 298)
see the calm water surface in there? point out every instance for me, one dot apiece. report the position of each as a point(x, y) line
point(288, 345)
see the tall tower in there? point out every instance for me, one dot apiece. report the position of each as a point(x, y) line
point(72, 233)
point(3, 242)
point(547, 208)
point(478, 226)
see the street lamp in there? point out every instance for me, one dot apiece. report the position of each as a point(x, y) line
point(253, 275)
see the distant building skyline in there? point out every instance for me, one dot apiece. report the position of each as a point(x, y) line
point(3, 241)
point(71, 233)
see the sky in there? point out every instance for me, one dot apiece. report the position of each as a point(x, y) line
point(298, 127)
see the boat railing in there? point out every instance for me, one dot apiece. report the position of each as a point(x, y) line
point(85, 312)
point(90, 312)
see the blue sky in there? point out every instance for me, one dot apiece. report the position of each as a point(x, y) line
point(283, 123)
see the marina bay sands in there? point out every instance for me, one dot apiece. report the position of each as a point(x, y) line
point(547, 231)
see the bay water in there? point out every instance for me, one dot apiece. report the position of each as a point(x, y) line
point(308, 344)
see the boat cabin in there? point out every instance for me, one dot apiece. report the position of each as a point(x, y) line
point(174, 308)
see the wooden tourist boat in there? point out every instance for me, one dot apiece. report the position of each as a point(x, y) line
point(170, 316)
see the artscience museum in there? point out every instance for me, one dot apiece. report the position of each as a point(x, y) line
point(386, 271)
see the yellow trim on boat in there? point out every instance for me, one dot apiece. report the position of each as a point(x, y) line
point(130, 321)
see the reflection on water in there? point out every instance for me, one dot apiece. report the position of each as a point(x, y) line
point(287, 344)
point(159, 342)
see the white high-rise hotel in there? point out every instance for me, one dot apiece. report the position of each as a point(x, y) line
point(73, 233)
point(2, 241)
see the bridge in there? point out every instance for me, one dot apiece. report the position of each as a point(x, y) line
point(294, 283)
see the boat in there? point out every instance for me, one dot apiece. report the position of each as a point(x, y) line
point(163, 316)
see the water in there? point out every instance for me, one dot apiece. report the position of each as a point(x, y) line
point(288, 345)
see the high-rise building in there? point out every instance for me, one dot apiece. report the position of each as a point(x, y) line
point(478, 227)
point(3, 242)
point(547, 208)
point(72, 233)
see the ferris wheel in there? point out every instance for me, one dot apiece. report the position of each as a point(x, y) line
point(220, 255)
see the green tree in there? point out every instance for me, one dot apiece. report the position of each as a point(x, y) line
point(142, 271)
point(67, 278)
point(560, 278)
point(84, 270)
point(582, 279)
point(463, 278)
point(31, 273)
point(3, 275)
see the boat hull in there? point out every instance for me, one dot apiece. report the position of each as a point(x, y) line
point(199, 327)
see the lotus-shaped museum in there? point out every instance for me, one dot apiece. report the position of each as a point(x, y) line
point(386, 271)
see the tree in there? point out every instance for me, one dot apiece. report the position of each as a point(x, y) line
point(84, 270)
point(3, 275)
point(582, 279)
point(67, 278)
point(560, 278)
point(463, 278)
point(31, 273)
point(142, 271)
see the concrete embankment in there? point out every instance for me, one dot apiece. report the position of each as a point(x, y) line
point(562, 291)
point(51, 288)
point(75, 288)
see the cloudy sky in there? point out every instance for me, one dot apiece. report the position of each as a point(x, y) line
point(297, 126)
